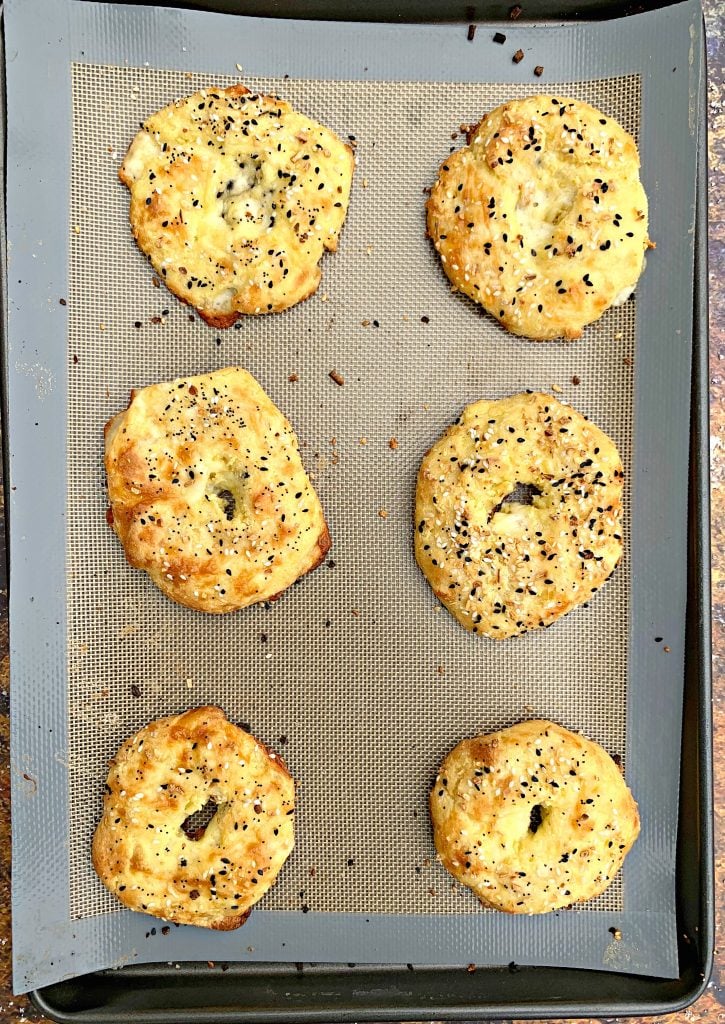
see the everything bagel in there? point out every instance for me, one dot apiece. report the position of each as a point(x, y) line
point(542, 218)
point(167, 772)
point(532, 818)
point(500, 566)
point(208, 493)
point(234, 199)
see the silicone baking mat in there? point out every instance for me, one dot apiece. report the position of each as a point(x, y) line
point(356, 675)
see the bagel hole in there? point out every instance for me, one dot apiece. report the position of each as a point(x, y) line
point(229, 503)
point(227, 489)
point(536, 818)
point(197, 823)
point(522, 494)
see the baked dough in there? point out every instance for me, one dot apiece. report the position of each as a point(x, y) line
point(234, 198)
point(542, 218)
point(208, 493)
point(504, 567)
point(532, 818)
point(160, 777)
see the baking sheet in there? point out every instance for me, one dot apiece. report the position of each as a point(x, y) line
point(369, 686)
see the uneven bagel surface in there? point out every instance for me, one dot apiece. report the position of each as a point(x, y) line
point(164, 774)
point(500, 566)
point(532, 818)
point(234, 198)
point(542, 218)
point(208, 494)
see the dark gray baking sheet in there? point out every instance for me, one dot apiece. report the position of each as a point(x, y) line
point(40, 44)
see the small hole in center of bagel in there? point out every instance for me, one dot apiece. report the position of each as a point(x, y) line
point(197, 823)
point(522, 494)
point(535, 819)
point(227, 490)
point(229, 502)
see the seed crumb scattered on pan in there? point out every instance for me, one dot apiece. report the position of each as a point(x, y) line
point(75, 359)
point(471, 968)
point(337, 377)
point(518, 57)
point(628, 361)
point(515, 12)
point(62, 302)
point(576, 380)
point(363, 441)
point(539, 70)
point(365, 323)
point(155, 282)
point(616, 933)
point(383, 513)
point(666, 649)
point(393, 443)
point(425, 319)
point(499, 37)
point(293, 378)
point(135, 690)
point(471, 33)
point(556, 388)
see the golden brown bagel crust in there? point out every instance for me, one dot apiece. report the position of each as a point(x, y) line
point(234, 198)
point(502, 569)
point(532, 818)
point(208, 493)
point(542, 218)
point(167, 772)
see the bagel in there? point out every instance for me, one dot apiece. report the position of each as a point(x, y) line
point(500, 566)
point(208, 493)
point(542, 218)
point(161, 776)
point(532, 818)
point(234, 198)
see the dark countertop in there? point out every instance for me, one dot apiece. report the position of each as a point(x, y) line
point(711, 1006)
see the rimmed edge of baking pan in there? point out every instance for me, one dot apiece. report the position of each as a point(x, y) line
point(281, 992)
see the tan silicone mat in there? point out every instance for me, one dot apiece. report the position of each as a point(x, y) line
point(356, 675)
